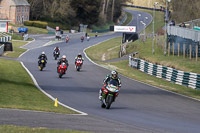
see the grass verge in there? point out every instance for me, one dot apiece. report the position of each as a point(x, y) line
point(128, 20)
point(105, 51)
point(17, 129)
point(18, 90)
point(31, 30)
point(17, 51)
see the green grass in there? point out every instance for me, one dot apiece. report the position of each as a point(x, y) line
point(32, 30)
point(16, 37)
point(18, 90)
point(35, 30)
point(128, 20)
point(18, 129)
point(16, 50)
point(102, 26)
point(109, 49)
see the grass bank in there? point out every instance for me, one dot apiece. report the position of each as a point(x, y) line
point(17, 129)
point(18, 90)
point(128, 20)
point(31, 30)
point(105, 51)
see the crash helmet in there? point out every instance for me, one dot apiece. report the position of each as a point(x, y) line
point(43, 52)
point(114, 74)
point(57, 47)
point(64, 57)
point(79, 55)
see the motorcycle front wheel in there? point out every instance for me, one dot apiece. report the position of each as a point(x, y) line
point(41, 66)
point(61, 74)
point(109, 101)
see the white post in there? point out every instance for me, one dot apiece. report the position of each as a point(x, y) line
point(155, 3)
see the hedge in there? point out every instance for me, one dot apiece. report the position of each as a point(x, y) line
point(38, 24)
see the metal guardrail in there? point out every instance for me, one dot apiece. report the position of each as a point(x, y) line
point(188, 79)
point(5, 38)
point(184, 33)
point(1, 49)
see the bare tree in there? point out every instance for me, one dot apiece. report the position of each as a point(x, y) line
point(113, 7)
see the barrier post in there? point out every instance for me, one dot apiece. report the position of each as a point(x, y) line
point(184, 50)
point(173, 48)
point(190, 51)
point(196, 52)
point(178, 48)
point(168, 48)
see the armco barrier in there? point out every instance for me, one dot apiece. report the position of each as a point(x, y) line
point(188, 79)
point(1, 49)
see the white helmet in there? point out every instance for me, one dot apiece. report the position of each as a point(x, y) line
point(43, 52)
point(64, 56)
point(113, 72)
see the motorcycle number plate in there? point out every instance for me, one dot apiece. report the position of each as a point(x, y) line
point(42, 61)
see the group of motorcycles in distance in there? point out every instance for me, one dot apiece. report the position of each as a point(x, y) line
point(82, 38)
point(62, 68)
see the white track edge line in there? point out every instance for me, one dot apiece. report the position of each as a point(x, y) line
point(52, 98)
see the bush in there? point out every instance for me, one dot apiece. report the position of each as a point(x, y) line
point(28, 23)
point(62, 26)
point(38, 24)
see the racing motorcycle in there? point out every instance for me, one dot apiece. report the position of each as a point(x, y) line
point(56, 54)
point(82, 39)
point(62, 69)
point(67, 39)
point(42, 63)
point(79, 63)
point(109, 93)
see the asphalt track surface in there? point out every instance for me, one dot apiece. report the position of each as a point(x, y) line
point(140, 108)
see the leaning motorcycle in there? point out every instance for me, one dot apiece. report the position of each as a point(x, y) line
point(109, 94)
point(79, 63)
point(62, 69)
point(56, 54)
point(42, 63)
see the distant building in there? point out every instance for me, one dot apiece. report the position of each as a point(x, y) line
point(17, 11)
point(4, 25)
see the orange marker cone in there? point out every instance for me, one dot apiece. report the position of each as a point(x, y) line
point(56, 103)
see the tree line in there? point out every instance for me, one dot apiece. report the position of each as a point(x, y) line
point(75, 12)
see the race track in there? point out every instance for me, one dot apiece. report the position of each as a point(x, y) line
point(139, 107)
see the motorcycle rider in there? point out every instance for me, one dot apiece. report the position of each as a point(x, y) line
point(67, 38)
point(82, 38)
point(63, 59)
point(56, 49)
point(88, 38)
point(79, 56)
point(42, 56)
point(114, 76)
